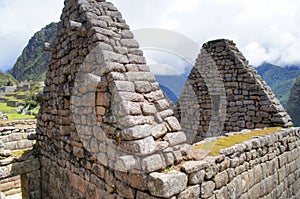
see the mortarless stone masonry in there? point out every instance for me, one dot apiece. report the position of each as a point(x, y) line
point(224, 93)
point(18, 136)
point(106, 130)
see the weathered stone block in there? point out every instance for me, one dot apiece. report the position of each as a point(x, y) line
point(196, 177)
point(173, 123)
point(167, 185)
point(175, 138)
point(142, 86)
point(152, 163)
point(192, 192)
point(130, 121)
point(193, 166)
point(126, 163)
point(143, 146)
point(126, 86)
point(221, 179)
point(158, 130)
point(136, 132)
point(148, 109)
point(126, 108)
point(207, 189)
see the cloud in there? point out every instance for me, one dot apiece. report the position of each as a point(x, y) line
point(162, 62)
point(264, 30)
point(19, 20)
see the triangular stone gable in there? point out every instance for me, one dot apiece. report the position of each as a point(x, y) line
point(102, 109)
point(228, 95)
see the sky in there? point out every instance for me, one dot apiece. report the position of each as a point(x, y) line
point(264, 30)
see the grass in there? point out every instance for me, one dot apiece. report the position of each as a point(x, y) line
point(4, 108)
point(228, 141)
point(12, 114)
point(18, 116)
point(12, 98)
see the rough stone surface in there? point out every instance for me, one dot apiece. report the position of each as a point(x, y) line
point(106, 130)
point(167, 185)
point(224, 94)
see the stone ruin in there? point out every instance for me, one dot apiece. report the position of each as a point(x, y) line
point(106, 130)
point(224, 94)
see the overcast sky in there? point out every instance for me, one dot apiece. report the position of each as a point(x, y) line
point(264, 30)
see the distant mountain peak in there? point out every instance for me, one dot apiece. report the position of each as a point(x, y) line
point(33, 62)
point(280, 78)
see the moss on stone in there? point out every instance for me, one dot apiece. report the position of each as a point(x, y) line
point(19, 153)
point(228, 141)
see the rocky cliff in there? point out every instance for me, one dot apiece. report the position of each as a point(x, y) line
point(33, 62)
point(294, 103)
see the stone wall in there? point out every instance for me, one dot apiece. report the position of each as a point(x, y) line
point(264, 167)
point(106, 130)
point(18, 160)
point(103, 114)
point(14, 135)
point(11, 186)
point(224, 92)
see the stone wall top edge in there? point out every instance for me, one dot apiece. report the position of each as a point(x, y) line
point(18, 122)
point(260, 141)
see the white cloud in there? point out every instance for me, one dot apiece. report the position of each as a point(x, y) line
point(265, 30)
point(19, 20)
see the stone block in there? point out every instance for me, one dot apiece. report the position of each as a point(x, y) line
point(130, 121)
point(138, 180)
point(154, 96)
point(207, 189)
point(196, 177)
point(158, 130)
point(167, 185)
point(142, 86)
point(175, 138)
point(193, 166)
point(148, 109)
point(126, 86)
point(126, 108)
point(140, 76)
point(152, 163)
point(192, 192)
point(129, 43)
point(126, 163)
point(173, 123)
point(143, 146)
point(162, 104)
point(136, 132)
point(221, 179)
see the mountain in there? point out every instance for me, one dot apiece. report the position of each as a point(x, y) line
point(293, 107)
point(33, 62)
point(280, 79)
point(7, 80)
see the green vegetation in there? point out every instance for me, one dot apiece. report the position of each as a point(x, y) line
point(294, 103)
point(228, 141)
point(280, 79)
point(12, 113)
point(169, 169)
point(19, 116)
point(7, 80)
point(33, 63)
point(29, 108)
point(19, 153)
point(6, 109)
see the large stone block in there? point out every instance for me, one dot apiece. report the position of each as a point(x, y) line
point(142, 146)
point(167, 185)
